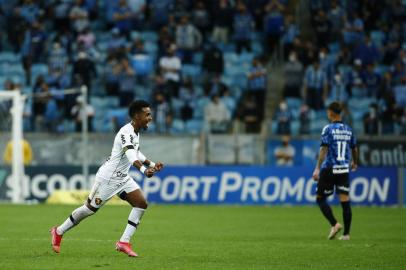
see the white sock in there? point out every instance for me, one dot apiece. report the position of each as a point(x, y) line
point(77, 216)
point(133, 220)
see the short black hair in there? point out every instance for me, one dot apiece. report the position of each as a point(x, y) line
point(137, 106)
point(335, 107)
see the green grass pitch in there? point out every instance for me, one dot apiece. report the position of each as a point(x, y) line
point(204, 237)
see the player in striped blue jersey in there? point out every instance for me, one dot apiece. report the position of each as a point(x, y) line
point(332, 169)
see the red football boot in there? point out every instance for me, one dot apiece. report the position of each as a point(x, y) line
point(56, 240)
point(125, 248)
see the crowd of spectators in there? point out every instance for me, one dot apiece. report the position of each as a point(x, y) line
point(193, 58)
point(183, 56)
point(358, 57)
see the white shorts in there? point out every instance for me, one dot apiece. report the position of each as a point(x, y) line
point(103, 190)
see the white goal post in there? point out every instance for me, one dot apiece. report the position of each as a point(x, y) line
point(17, 167)
point(16, 111)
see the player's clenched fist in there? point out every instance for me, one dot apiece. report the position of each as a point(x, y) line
point(158, 166)
point(149, 172)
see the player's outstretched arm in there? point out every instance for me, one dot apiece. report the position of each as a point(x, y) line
point(158, 166)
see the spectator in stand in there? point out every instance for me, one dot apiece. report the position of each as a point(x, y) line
point(338, 90)
point(158, 10)
point(372, 81)
point(389, 118)
point(77, 112)
point(353, 31)
point(163, 114)
point(127, 82)
point(216, 116)
point(117, 44)
point(400, 93)
point(16, 27)
point(58, 58)
point(284, 153)
point(170, 65)
point(214, 86)
point(180, 8)
point(304, 118)
point(367, 52)
point(188, 97)
point(283, 118)
point(315, 86)
point(30, 11)
point(141, 62)
point(293, 72)
point(228, 100)
point(393, 43)
point(274, 24)
point(257, 83)
point(243, 25)
point(371, 121)
point(111, 78)
point(249, 114)
point(336, 16)
point(291, 32)
point(402, 121)
point(60, 11)
point(213, 61)
point(87, 38)
point(122, 18)
point(188, 39)
point(79, 17)
point(33, 49)
point(322, 28)
point(85, 68)
point(201, 18)
point(138, 8)
point(222, 15)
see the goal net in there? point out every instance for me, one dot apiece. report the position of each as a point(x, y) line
point(12, 104)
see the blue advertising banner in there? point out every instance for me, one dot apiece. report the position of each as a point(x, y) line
point(219, 185)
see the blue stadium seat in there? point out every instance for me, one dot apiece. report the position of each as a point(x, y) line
point(178, 126)
point(377, 38)
point(197, 58)
point(194, 126)
point(294, 103)
point(9, 57)
point(191, 70)
point(135, 35)
point(295, 127)
point(151, 47)
point(37, 69)
point(149, 36)
point(257, 48)
point(176, 105)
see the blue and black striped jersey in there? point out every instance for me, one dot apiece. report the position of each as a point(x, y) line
point(340, 139)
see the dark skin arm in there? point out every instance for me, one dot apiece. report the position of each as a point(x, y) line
point(322, 156)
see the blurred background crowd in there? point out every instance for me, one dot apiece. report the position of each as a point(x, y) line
point(216, 65)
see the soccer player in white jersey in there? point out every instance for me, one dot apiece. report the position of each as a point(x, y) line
point(112, 178)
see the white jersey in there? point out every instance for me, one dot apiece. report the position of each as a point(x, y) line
point(117, 164)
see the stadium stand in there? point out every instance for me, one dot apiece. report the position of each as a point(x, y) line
point(362, 57)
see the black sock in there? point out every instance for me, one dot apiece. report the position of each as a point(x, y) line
point(326, 210)
point(347, 216)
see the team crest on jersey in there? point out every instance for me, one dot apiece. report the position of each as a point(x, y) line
point(98, 201)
